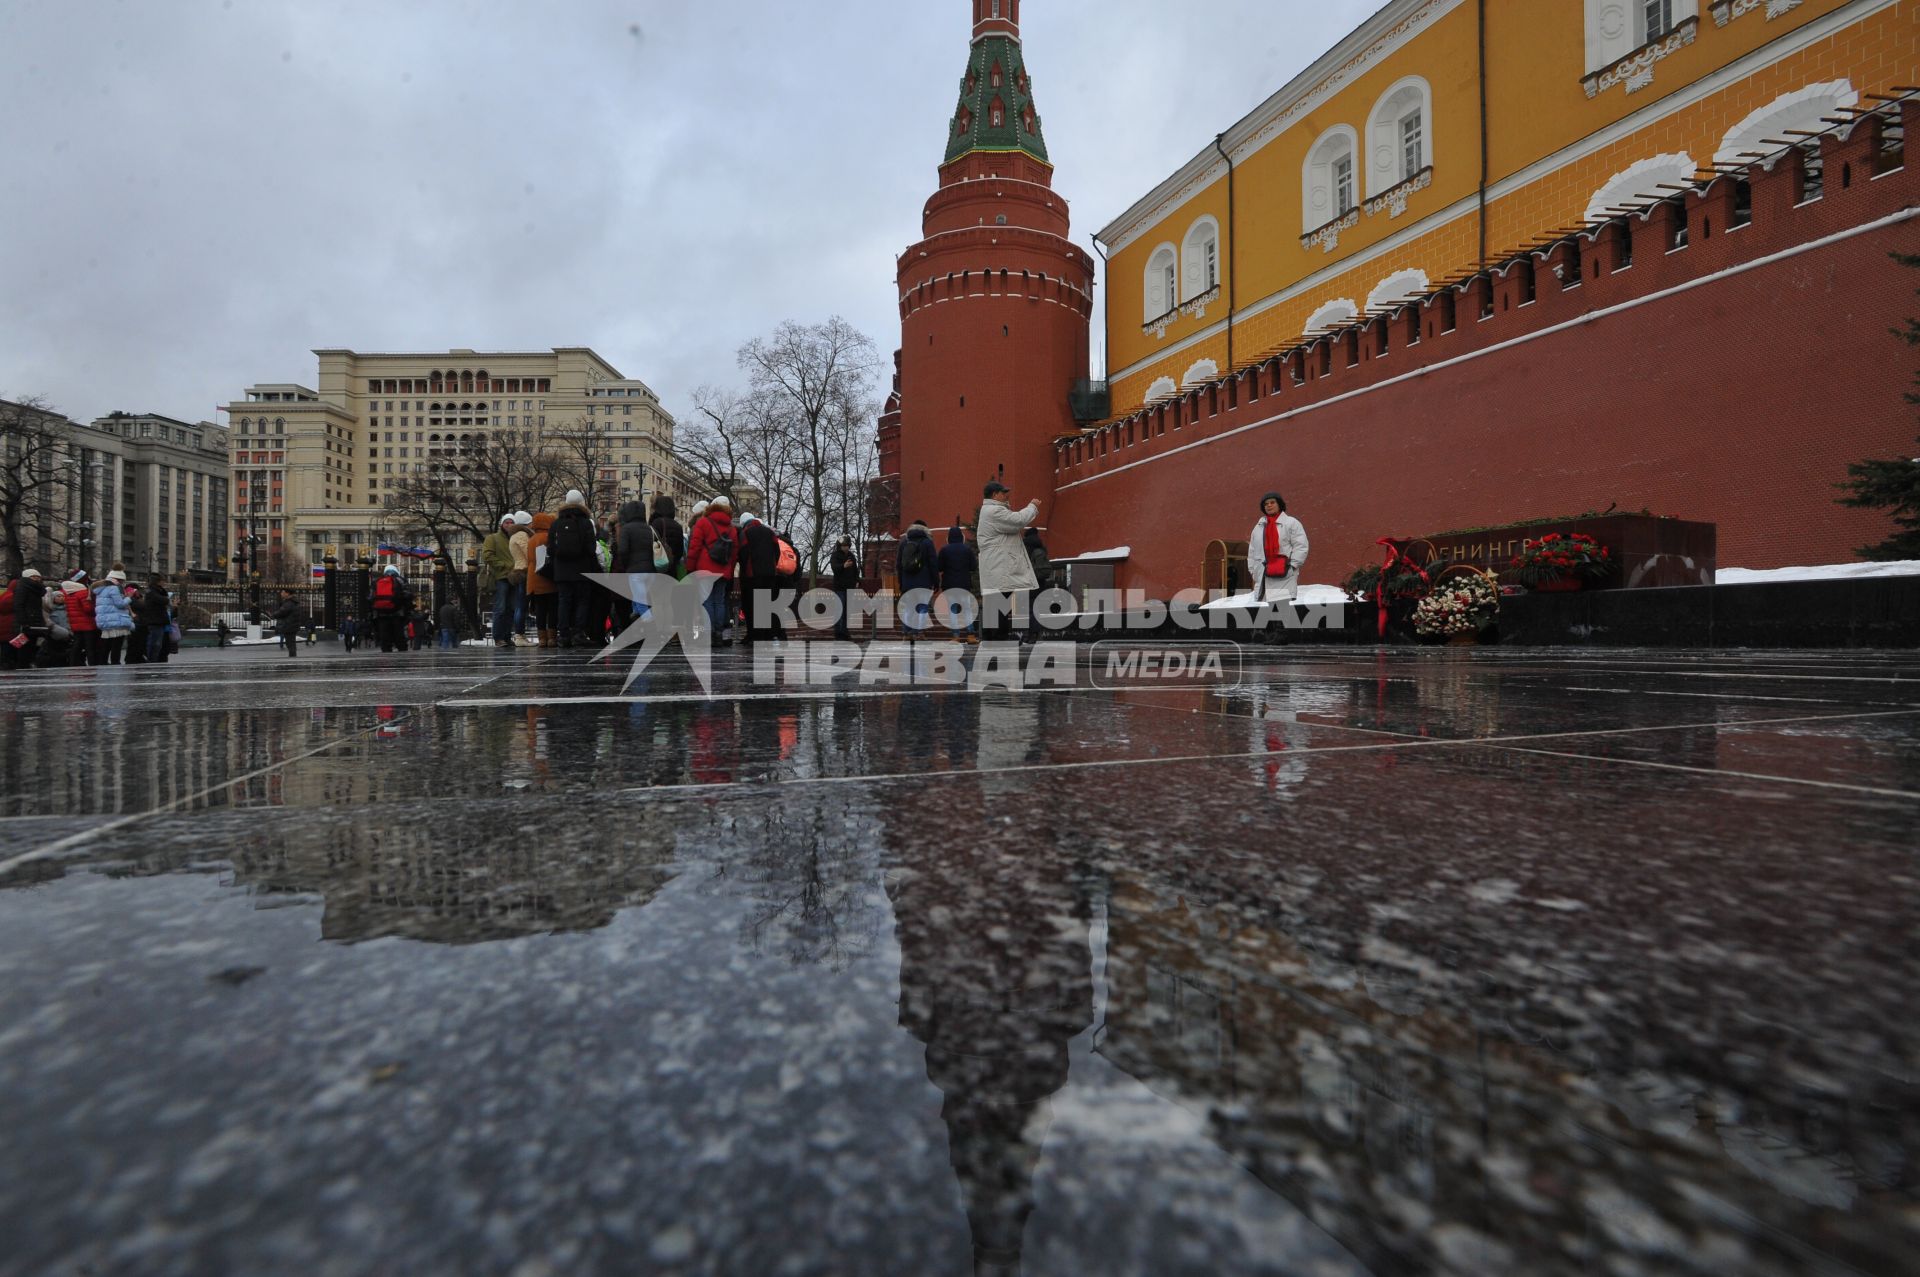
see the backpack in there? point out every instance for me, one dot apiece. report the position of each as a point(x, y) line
point(721, 551)
point(571, 539)
point(913, 558)
point(789, 560)
point(386, 594)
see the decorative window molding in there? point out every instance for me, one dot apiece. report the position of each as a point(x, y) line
point(1725, 11)
point(1635, 70)
point(1162, 388)
point(1161, 286)
point(1639, 183)
point(1196, 307)
point(1393, 200)
point(1397, 289)
point(1407, 99)
point(1338, 311)
point(1328, 236)
point(1202, 372)
point(1321, 201)
point(1200, 259)
point(1800, 109)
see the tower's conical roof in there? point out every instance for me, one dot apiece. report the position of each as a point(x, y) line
point(996, 111)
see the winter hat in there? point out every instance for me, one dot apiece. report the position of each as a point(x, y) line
point(720, 503)
point(117, 577)
point(700, 509)
point(79, 574)
point(30, 574)
point(995, 488)
point(575, 497)
point(506, 520)
point(748, 520)
point(522, 518)
point(393, 569)
point(1273, 496)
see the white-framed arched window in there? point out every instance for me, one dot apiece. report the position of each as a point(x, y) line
point(1200, 267)
point(1199, 373)
point(1616, 28)
point(1400, 134)
point(1162, 388)
point(1337, 311)
point(1329, 179)
point(1802, 109)
point(1162, 282)
point(1639, 184)
point(1398, 288)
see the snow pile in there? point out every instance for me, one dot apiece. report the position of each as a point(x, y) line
point(1100, 556)
point(1830, 572)
point(1305, 595)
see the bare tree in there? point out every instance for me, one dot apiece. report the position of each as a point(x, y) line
point(738, 446)
point(34, 482)
point(582, 450)
point(816, 383)
point(462, 490)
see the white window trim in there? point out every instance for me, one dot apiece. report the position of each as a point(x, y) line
point(1615, 28)
point(1156, 299)
point(1638, 183)
point(1800, 109)
point(1397, 289)
point(1383, 133)
point(1193, 258)
point(1317, 206)
point(1200, 373)
point(1333, 313)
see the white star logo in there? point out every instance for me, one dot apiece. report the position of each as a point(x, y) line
point(674, 609)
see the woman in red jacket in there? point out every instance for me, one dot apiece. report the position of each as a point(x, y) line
point(713, 548)
point(78, 592)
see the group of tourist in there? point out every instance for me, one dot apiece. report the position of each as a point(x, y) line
point(76, 622)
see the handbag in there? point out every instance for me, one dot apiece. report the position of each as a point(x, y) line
point(1279, 567)
point(661, 559)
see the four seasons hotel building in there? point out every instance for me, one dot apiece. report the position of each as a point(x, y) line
point(313, 468)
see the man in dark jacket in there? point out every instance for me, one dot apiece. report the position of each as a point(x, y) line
point(668, 532)
point(919, 570)
point(154, 611)
point(29, 617)
point(760, 575)
point(571, 544)
point(286, 622)
point(959, 566)
point(846, 578)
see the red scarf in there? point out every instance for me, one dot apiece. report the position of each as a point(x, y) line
point(1273, 548)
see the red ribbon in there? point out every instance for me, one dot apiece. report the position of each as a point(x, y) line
point(1393, 556)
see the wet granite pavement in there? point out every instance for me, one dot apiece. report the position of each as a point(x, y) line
point(1435, 961)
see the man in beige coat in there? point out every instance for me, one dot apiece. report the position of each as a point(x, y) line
point(1005, 568)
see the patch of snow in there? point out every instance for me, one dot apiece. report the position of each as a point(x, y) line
point(1100, 556)
point(1305, 595)
point(1828, 572)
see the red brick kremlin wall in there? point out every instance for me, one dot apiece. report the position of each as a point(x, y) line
point(1731, 381)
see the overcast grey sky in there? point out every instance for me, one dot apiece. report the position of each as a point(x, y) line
point(200, 192)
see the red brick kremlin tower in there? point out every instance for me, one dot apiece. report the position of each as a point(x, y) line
point(994, 305)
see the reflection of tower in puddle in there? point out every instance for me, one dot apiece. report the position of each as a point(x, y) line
point(995, 978)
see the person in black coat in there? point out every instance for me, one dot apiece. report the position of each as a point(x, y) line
point(572, 545)
point(286, 622)
point(760, 571)
point(919, 562)
point(668, 532)
point(633, 546)
point(846, 579)
point(154, 611)
point(959, 571)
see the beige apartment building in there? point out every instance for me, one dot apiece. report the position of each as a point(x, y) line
point(313, 469)
point(142, 489)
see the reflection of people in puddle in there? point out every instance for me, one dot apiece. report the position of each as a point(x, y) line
point(995, 979)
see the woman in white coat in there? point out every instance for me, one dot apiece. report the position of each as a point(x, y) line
point(1276, 551)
